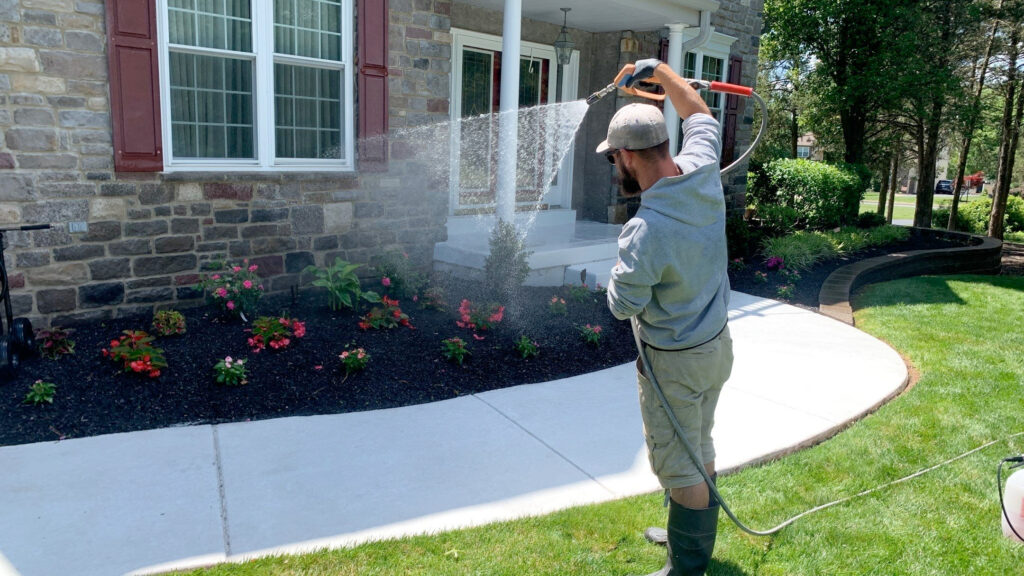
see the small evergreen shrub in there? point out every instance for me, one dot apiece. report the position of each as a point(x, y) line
point(870, 220)
point(506, 267)
point(779, 220)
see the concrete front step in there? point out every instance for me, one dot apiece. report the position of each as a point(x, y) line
point(590, 273)
point(589, 245)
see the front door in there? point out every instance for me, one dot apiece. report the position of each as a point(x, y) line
point(476, 91)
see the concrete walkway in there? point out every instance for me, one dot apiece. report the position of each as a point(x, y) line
point(178, 497)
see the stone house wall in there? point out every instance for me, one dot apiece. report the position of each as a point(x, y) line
point(150, 236)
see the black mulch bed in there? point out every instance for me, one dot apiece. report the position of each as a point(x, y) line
point(94, 397)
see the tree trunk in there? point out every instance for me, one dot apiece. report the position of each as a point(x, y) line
point(895, 180)
point(920, 192)
point(1005, 170)
point(854, 122)
point(884, 190)
point(972, 121)
point(794, 133)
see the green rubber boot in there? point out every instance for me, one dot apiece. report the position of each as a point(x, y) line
point(658, 535)
point(691, 540)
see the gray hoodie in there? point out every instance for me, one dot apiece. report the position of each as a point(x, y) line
point(672, 255)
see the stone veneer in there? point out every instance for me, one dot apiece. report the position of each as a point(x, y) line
point(150, 236)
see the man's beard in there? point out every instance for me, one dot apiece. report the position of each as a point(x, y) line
point(628, 184)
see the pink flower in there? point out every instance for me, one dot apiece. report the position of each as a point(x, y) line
point(318, 367)
point(597, 329)
point(222, 292)
point(477, 336)
point(230, 305)
point(236, 269)
point(299, 329)
point(343, 355)
point(415, 298)
point(215, 277)
point(497, 316)
point(247, 283)
point(385, 281)
point(253, 268)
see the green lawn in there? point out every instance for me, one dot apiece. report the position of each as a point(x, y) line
point(903, 206)
point(963, 333)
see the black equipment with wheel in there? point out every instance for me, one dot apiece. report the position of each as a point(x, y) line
point(17, 340)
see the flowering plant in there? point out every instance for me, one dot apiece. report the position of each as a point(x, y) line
point(388, 315)
point(136, 353)
point(476, 319)
point(433, 298)
point(454, 349)
point(592, 334)
point(785, 291)
point(168, 323)
point(235, 290)
point(775, 263)
point(40, 393)
point(354, 360)
point(275, 332)
point(526, 348)
point(790, 275)
point(736, 264)
point(55, 342)
point(761, 277)
point(580, 293)
point(557, 306)
point(231, 372)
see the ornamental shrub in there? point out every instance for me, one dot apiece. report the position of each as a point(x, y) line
point(506, 268)
point(870, 220)
point(974, 215)
point(827, 196)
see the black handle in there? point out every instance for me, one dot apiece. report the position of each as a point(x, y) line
point(35, 227)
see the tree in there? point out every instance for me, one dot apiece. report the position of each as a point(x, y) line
point(1011, 125)
point(852, 43)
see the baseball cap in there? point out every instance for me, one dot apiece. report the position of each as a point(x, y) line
point(635, 127)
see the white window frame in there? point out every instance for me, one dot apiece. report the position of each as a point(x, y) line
point(717, 46)
point(262, 12)
point(803, 152)
point(559, 194)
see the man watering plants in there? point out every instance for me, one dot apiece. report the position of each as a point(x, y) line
point(671, 276)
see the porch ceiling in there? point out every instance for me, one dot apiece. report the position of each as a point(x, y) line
point(609, 15)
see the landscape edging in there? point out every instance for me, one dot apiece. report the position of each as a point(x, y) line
point(983, 256)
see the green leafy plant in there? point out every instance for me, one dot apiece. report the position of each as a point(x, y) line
point(827, 196)
point(785, 291)
point(386, 316)
point(557, 306)
point(136, 353)
point(526, 347)
point(433, 298)
point(870, 220)
point(399, 277)
point(354, 360)
point(275, 332)
point(55, 342)
point(231, 372)
point(591, 334)
point(789, 275)
point(342, 284)
point(580, 293)
point(455, 350)
point(479, 319)
point(168, 323)
point(506, 267)
point(760, 277)
point(235, 289)
point(737, 264)
point(41, 393)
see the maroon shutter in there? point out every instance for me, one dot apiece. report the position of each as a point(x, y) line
point(373, 80)
point(731, 112)
point(134, 85)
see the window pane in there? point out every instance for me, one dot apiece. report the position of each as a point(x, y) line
point(221, 24)
point(310, 28)
point(529, 82)
point(690, 67)
point(308, 112)
point(476, 83)
point(211, 107)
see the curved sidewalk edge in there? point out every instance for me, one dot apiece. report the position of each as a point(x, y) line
point(180, 497)
point(982, 257)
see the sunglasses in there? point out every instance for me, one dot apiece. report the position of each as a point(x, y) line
point(610, 156)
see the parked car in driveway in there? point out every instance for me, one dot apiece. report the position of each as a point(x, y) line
point(944, 187)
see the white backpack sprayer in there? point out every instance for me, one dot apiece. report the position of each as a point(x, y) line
point(1012, 518)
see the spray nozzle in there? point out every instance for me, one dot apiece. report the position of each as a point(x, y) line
point(600, 94)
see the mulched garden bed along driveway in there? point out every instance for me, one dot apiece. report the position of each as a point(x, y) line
point(93, 396)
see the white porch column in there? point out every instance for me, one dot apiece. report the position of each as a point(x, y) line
point(675, 62)
point(508, 118)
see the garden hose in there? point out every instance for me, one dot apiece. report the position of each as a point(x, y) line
point(698, 461)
